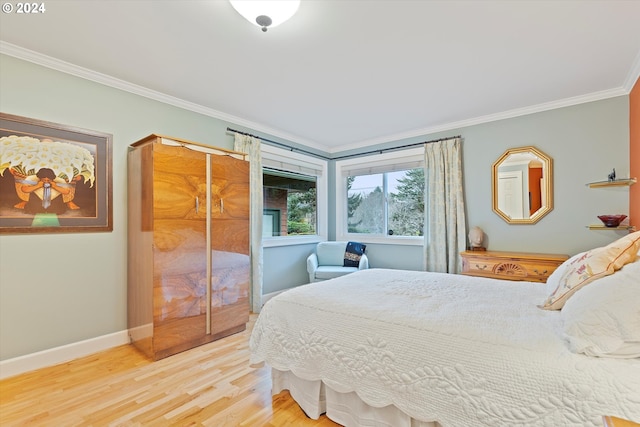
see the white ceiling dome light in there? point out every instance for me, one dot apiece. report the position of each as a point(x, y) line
point(266, 13)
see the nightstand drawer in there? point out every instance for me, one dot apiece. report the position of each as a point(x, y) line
point(531, 267)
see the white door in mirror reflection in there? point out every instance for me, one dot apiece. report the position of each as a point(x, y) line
point(510, 200)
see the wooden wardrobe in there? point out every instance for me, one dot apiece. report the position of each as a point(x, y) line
point(188, 244)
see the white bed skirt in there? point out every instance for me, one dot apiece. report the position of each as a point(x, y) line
point(315, 398)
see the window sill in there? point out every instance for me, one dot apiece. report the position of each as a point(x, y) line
point(384, 240)
point(291, 241)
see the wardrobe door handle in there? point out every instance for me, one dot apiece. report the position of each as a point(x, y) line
point(221, 206)
point(197, 204)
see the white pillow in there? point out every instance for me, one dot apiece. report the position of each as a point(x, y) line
point(603, 319)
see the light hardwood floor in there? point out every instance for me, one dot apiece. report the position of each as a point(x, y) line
point(211, 385)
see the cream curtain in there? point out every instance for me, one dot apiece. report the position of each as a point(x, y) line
point(251, 146)
point(444, 221)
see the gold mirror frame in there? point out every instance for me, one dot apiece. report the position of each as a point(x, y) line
point(521, 156)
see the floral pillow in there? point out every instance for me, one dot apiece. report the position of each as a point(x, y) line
point(589, 266)
point(554, 278)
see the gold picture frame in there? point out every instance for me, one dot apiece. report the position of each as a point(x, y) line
point(54, 178)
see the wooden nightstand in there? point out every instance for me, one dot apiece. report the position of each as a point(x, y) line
point(618, 422)
point(527, 266)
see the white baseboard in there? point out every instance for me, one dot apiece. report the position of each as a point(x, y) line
point(65, 353)
point(62, 354)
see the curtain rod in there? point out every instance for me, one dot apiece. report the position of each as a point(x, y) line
point(280, 144)
point(400, 147)
point(380, 151)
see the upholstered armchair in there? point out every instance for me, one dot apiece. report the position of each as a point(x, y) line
point(329, 259)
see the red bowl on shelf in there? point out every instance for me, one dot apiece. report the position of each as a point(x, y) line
point(611, 220)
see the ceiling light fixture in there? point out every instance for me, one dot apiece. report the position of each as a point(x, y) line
point(266, 13)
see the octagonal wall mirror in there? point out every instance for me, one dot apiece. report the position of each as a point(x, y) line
point(522, 190)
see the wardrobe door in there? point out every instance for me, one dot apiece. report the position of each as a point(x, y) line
point(179, 249)
point(230, 260)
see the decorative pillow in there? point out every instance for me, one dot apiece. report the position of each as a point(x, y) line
point(592, 265)
point(353, 253)
point(554, 279)
point(603, 319)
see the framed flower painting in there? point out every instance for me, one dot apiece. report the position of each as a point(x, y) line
point(53, 178)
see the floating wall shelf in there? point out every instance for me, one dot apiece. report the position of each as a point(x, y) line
point(616, 183)
point(620, 227)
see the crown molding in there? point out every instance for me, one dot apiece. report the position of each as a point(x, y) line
point(85, 73)
point(104, 79)
point(567, 102)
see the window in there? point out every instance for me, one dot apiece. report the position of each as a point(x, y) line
point(289, 200)
point(381, 198)
point(389, 203)
point(294, 197)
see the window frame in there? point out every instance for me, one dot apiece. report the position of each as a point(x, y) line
point(301, 164)
point(386, 162)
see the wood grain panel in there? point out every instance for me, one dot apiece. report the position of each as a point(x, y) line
point(227, 316)
point(230, 243)
point(172, 289)
point(234, 196)
point(180, 296)
point(179, 179)
point(176, 334)
point(171, 234)
point(179, 197)
point(230, 235)
point(180, 254)
point(144, 188)
point(229, 183)
point(140, 257)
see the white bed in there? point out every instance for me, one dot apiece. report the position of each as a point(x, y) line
point(404, 348)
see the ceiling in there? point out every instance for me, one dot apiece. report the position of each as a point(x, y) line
point(344, 74)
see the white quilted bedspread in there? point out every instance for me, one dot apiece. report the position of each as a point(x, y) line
point(460, 350)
